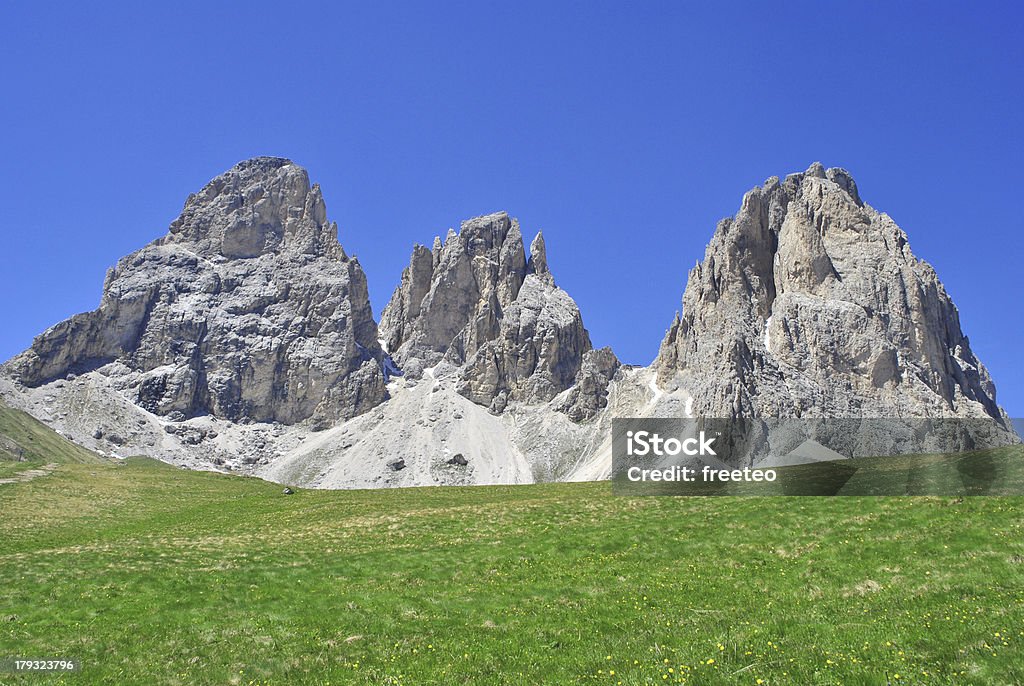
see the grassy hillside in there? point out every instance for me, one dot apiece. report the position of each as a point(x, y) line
point(152, 575)
point(33, 441)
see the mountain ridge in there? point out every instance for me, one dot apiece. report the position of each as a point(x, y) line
point(243, 340)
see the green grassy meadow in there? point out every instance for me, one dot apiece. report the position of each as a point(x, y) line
point(154, 575)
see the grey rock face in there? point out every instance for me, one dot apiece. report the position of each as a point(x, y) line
point(810, 303)
point(532, 352)
point(474, 302)
point(466, 280)
point(248, 309)
point(589, 395)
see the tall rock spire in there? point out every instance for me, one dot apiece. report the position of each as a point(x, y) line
point(538, 263)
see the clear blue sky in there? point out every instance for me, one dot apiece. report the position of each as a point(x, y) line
point(624, 130)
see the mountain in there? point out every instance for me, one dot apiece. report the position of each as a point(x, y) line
point(475, 302)
point(244, 341)
point(248, 309)
point(493, 373)
point(810, 303)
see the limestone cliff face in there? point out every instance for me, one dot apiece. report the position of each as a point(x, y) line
point(476, 303)
point(248, 309)
point(810, 303)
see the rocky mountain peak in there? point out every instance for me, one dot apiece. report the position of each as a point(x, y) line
point(248, 310)
point(475, 303)
point(810, 303)
point(259, 206)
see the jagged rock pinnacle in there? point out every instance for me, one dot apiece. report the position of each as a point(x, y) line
point(538, 263)
point(476, 304)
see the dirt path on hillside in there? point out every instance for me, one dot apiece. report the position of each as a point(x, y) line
point(28, 475)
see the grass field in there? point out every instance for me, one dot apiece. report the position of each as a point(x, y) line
point(153, 575)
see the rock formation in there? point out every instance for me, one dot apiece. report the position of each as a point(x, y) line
point(589, 394)
point(810, 303)
point(248, 309)
point(244, 341)
point(476, 303)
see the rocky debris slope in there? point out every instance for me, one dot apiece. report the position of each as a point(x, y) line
point(428, 433)
point(474, 303)
point(247, 310)
point(810, 303)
